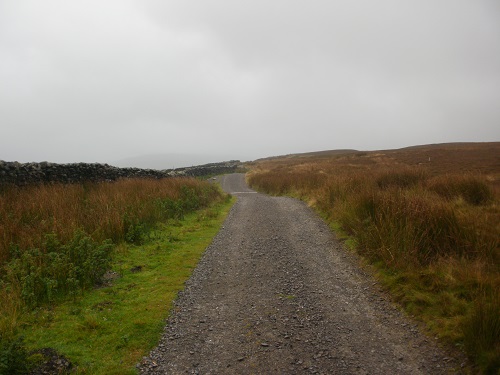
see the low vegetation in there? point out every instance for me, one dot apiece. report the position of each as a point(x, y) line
point(90, 270)
point(433, 237)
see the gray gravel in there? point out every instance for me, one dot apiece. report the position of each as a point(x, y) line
point(277, 293)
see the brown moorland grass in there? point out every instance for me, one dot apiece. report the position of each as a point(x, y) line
point(102, 210)
point(427, 218)
point(55, 240)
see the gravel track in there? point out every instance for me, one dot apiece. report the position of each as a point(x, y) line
point(275, 292)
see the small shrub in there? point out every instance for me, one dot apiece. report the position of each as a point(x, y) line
point(136, 234)
point(13, 356)
point(41, 276)
point(173, 208)
point(191, 199)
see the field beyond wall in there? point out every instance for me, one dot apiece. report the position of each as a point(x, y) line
point(426, 218)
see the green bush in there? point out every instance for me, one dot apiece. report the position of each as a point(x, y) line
point(13, 356)
point(190, 199)
point(59, 269)
point(173, 208)
point(136, 234)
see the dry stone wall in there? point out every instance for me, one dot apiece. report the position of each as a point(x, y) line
point(45, 172)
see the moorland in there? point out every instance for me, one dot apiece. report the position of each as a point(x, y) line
point(425, 219)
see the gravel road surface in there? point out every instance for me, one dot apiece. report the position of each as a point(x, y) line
point(276, 293)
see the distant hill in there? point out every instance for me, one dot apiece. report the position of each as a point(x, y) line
point(314, 154)
point(451, 145)
point(483, 157)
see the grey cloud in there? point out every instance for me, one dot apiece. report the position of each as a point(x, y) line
point(104, 81)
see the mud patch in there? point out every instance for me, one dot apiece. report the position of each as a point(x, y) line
point(49, 362)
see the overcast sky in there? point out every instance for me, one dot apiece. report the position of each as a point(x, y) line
point(106, 80)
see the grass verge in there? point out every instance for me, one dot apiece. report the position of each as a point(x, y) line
point(109, 329)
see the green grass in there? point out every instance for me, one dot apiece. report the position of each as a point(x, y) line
point(109, 330)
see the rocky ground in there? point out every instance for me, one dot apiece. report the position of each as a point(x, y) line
point(277, 293)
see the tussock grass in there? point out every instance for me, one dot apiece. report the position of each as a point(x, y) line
point(433, 237)
point(482, 331)
point(473, 189)
point(402, 179)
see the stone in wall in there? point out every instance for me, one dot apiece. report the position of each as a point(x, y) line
point(35, 173)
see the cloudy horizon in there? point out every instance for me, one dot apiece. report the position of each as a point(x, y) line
point(93, 81)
